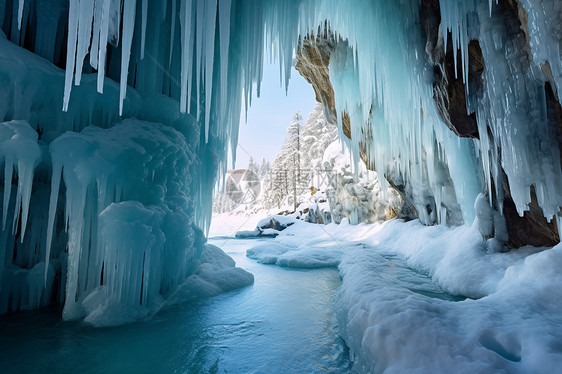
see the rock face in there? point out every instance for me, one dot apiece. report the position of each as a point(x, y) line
point(448, 88)
point(531, 229)
point(450, 95)
point(313, 60)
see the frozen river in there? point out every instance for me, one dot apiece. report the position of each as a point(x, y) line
point(284, 323)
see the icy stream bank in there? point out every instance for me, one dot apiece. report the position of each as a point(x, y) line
point(396, 318)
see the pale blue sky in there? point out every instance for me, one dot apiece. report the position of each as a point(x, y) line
point(271, 114)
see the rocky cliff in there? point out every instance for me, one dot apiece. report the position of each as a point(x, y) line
point(455, 107)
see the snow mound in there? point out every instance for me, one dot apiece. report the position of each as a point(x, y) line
point(302, 257)
point(268, 227)
point(276, 222)
point(216, 274)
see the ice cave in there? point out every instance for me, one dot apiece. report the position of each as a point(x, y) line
point(433, 247)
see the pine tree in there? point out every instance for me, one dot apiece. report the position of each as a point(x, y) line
point(252, 165)
point(263, 169)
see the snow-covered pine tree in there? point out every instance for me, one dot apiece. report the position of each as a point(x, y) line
point(263, 169)
point(300, 155)
point(252, 165)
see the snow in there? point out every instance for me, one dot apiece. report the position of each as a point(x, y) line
point(309, 257)
point(216, 274)
point(248, 234)
point(283, 221)
point(396, 307)
point(228, 224)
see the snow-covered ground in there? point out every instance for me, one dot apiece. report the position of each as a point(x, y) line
point(228, 224)
point(432, 299)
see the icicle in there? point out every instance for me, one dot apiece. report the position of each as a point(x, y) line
point(55, 185)
point(186, 54)
point(224, 35)
point(129, 11)
point(143, 31)
point(559, 225)
point(199, 51)
point(172, 31)
point(95, 45)
point(25, 183)
point(104, 31)
point(8, 170)
point(210, 23)
point(71, 51)
point(76, 196)
point(86, 13)
point(20, 12)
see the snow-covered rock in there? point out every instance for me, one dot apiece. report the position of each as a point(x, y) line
point(268, 227)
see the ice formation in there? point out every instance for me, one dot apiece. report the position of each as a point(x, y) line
point(193, 67)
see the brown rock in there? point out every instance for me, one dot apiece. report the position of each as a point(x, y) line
point(449, 90)
point(313, 60)
point(532, 228)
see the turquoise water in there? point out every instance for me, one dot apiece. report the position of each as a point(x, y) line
point(284, 323)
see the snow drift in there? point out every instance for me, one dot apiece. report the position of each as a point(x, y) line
point(433, 299)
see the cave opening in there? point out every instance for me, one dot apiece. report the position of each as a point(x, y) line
point(158, 180)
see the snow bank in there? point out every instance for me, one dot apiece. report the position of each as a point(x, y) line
point(395, 308)
point(512, 330)
point(216, 274)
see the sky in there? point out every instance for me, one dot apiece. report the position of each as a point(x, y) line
point(270, 115)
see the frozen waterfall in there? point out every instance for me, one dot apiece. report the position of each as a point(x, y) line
point(117, 118)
